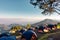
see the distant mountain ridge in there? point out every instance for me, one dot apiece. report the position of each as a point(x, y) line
point(46, 21)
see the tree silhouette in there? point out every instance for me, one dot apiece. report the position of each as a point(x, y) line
point(48, 6)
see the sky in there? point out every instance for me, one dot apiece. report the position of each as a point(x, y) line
point(21, 10)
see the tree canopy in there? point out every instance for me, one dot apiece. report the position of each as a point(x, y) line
point(48, 6)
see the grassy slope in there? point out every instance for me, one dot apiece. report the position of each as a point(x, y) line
point(45, 36)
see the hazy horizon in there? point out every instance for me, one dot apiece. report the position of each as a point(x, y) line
point(22, 21)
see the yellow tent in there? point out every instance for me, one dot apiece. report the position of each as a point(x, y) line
point(58, 26)
point(28, 26)
point(16, 28)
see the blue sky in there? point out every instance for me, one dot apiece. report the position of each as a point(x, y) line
point(22, 9)
point(18, 8)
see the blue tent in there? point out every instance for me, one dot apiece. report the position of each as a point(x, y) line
point(8, 38)
point(28, 34)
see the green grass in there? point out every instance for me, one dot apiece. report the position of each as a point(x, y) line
point(45, 36)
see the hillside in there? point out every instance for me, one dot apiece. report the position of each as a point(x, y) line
point(46, 21)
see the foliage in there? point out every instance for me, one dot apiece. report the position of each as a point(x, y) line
point(48, 6)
